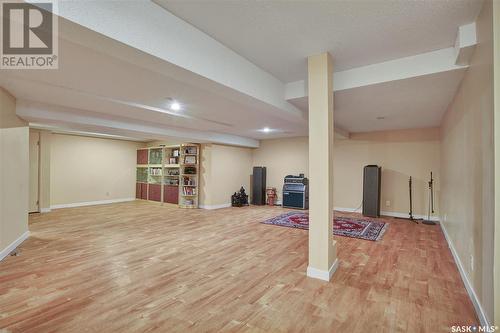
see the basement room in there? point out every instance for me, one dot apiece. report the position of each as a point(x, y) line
point(250, 166)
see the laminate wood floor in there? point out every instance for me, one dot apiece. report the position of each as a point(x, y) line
point(142, 267)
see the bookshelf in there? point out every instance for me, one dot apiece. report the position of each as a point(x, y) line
point(171, 174)
point(168, 174)
point(189, 175)
point(142, 172)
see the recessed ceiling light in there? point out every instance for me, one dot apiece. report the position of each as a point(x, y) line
point(266, 130)
point(175, 106)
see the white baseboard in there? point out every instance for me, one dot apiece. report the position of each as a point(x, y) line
point(45, 210)
point(406, 215)
point(323, 275)
point(483, 318)
point(215, 206)
point(5, 252)
point(350, 210)
point(386, 213)
point(90, 203)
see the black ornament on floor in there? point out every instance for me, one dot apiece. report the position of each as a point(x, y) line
point(240, 198)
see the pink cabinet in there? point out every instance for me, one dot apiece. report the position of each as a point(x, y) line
point(171, 194)
point(142, 156)
point(154, 192)
point(138, 190)
point(141, 191)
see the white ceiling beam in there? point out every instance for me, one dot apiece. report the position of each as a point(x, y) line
point(150, 28)
point(74, 131)
point(465, 43)
point(341, 133)
point(423, 64)
point(298, 89)
point(68, 118)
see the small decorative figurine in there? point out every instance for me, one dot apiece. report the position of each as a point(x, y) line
point(240, 198)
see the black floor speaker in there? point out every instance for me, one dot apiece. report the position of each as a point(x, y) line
point(371, 190)
point(259, 186)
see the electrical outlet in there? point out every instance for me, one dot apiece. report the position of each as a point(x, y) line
point(107, 194)
point(471, 262)
point(388, 203)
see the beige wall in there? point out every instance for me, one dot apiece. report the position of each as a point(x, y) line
point(14, 173)
point(84, 169)
point(8, 117)
point(282, 157)
point(44, 137)
point(34, 169)
point(224, 169)
point(205, 197)
point(400, 153)
point(44, 175)
point(467, 166)
point(496, 43)
point(231, 169)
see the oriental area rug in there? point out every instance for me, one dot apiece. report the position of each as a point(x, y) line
point(342, 226)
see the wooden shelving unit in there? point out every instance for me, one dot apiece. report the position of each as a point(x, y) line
point(170, 181)
point(161, 174)
point(189, 175)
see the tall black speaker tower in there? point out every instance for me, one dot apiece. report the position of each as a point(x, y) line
point(371, 190)
point(259, 186)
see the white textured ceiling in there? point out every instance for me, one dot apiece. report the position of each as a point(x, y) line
point(104, 84)
point(279, 35)
point(417, 102)
point(91, 83)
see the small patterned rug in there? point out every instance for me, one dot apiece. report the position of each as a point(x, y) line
point(342, 226)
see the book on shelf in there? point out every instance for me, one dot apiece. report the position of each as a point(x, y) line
point(155, 171)
point(188, 202)
point(188, 181)
point(172, 172)
point(190, 159)
point(190, 170)
point(189, 190)
point(190, 150)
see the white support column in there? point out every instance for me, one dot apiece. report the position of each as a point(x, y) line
point(322, 248)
